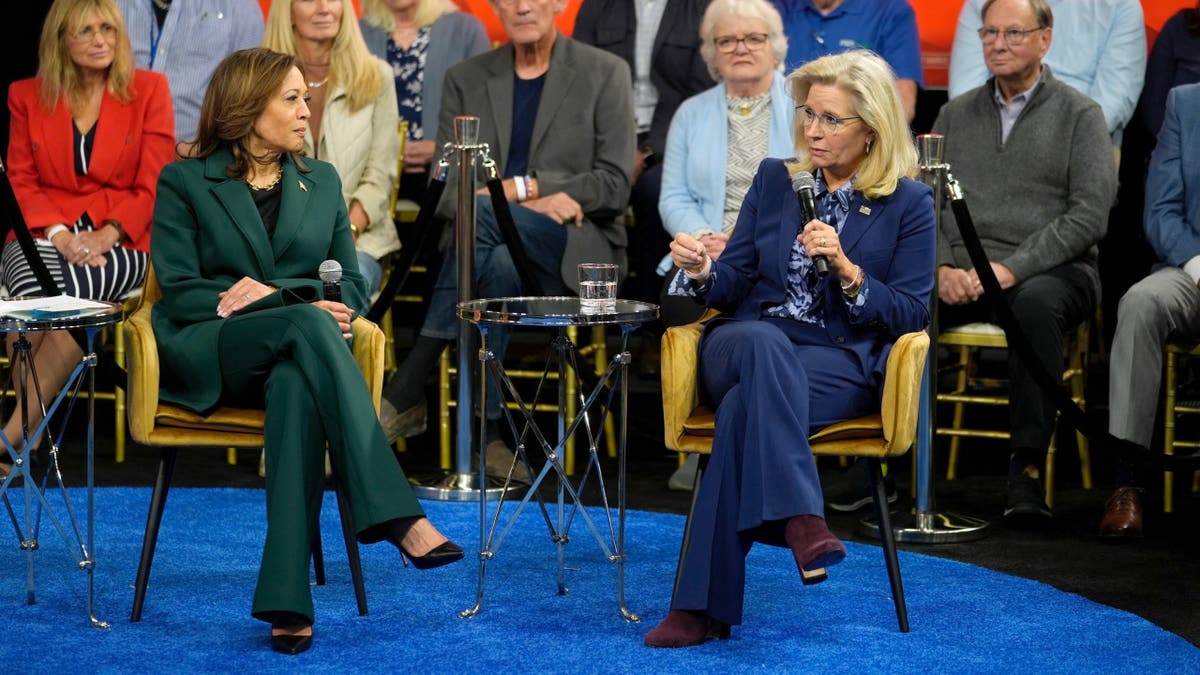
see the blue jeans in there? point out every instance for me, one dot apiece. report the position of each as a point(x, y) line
point(372, 271)
point(496, 276)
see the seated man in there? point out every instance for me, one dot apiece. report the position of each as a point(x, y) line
point(815, 28)
point(558, 117)
point(1163, 305)
point(1100, 49)
point(1036, 167)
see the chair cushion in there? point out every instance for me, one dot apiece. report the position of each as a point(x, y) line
point(236, 420)
point(703, 422)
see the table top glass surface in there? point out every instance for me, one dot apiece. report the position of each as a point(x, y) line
point(552, 311)
point(112, 313)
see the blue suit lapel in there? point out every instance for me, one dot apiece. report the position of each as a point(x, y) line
point(863, 213)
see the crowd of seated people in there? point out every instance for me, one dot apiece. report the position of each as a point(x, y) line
point(625, 114)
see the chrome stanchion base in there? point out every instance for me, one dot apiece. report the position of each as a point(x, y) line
point(930, 527)
point(461, 487)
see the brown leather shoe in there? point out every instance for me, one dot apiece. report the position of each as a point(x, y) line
point(685, 628)
point(1123, 514)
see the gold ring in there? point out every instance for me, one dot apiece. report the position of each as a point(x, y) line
point(86, 250)
point(821, 242)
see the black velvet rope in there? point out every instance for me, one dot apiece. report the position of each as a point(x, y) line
point(1090, 425)
point(508, 230)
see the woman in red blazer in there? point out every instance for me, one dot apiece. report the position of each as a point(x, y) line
point(88, 139)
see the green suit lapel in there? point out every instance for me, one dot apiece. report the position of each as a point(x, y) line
point(234, 197)
point(296, 190)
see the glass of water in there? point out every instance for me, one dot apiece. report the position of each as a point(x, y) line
point(597, 287)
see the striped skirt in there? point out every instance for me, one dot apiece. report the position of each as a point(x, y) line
point(124, 270)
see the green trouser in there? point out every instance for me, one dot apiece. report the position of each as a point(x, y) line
point(293, 359)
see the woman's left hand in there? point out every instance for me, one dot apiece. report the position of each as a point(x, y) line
point(821, 239)
point(89, 247)
point(241, 295)
point(341, 314)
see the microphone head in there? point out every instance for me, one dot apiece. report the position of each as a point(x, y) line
point(802, 180)
point(330, 271)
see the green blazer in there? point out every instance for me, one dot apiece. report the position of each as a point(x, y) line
point(208, 234)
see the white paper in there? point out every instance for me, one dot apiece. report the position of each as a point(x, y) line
point(23, 309)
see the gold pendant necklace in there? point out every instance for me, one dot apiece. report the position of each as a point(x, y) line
point(744, 109)
point(278, 175)
point(318, 84)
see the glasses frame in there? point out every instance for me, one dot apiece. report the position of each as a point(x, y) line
point(829, 122)
point(744, 40)
point(1013, 37)
point(85, 34)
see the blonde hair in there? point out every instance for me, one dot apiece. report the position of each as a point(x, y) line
point(746, 9)
point(239, 91)
point(377, 14)
point(58, 73)
point(871, 84)
point(351, 65)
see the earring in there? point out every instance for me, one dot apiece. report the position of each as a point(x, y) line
point(868, 147)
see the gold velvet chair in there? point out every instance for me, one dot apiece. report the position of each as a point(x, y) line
point(689, 425)
point(158, 424)
point(1173, 408)
point(970, 389)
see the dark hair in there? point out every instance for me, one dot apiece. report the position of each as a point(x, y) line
point(1191, 20)
point(240, 89)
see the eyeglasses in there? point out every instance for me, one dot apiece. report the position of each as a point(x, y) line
point(89, 33)
point(727, 44)
point(829, 123)
point(1012, 36)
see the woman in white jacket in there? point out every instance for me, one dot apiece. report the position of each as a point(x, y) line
point(353, 116)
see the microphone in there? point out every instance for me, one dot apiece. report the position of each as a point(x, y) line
point(330, 272)
point(806, 187)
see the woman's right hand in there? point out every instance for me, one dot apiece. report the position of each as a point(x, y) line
point(688, 253)
point(241, 294)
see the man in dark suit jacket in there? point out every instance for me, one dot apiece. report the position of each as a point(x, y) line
point(558, 119)
point(664, 78)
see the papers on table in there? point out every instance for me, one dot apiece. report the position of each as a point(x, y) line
point(57, 307)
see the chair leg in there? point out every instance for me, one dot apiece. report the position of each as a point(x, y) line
point(356, 575)
point(687, 525)
point(1169, 430)
point(158, 501)
point(888, 539)
point(318, 555)
point(963, 378)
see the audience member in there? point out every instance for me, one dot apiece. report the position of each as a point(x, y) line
point(796, 352)
point(185, 40)
point(1039, 199)
point(89, 135)
point(240, 230)
point(1099, 49)
point(1163, 305)
point(353, 117)
point(660, 44)
point(718, 139)
point(558, 117)
point(420, 39)
point(815, 28)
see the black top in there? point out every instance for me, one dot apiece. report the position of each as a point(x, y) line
point(268, 201)
point(83, 148)
point(160, 11)
point(526, 96)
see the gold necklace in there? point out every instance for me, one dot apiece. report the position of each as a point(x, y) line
point(318, 84)
point(278, 175)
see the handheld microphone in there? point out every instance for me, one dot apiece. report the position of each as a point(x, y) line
point(330, 272)
point(806, 187)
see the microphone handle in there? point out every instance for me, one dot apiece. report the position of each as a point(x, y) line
point(333, 290)
point(808, 211)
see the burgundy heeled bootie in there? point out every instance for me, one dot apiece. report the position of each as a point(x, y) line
point(685, 628)
point(814, 547)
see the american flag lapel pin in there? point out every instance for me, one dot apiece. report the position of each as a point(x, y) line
point(302, 185)
point(865, 210)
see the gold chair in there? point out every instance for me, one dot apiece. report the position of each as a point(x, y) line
point(597, 349)
point(967, 340)
point(689, 425)
point(1172, 409)
point(158, 424)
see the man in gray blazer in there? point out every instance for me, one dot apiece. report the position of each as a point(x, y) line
point(558, 117)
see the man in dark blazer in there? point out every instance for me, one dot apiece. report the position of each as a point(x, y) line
point(558, 119)
point(663, 78)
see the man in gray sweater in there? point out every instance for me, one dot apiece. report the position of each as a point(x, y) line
point(1035, 163)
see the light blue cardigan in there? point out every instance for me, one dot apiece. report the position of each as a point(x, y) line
point(693, 181)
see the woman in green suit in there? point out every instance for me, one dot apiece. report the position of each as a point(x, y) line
point(239, 232)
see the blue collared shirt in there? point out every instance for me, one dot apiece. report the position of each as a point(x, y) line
point(886, 27)
point(1010, 111)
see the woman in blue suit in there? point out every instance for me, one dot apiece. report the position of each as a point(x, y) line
point(239, 232)
point(797, 351)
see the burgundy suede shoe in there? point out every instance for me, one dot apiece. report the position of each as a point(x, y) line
point(814, 547)
point(685, 628)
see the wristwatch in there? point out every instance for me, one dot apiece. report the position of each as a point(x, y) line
point(649, 158)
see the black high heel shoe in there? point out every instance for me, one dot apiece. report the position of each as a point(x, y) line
point(291, 644)
point(445, 553)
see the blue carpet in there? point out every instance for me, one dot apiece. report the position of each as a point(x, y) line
point(964, 618)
